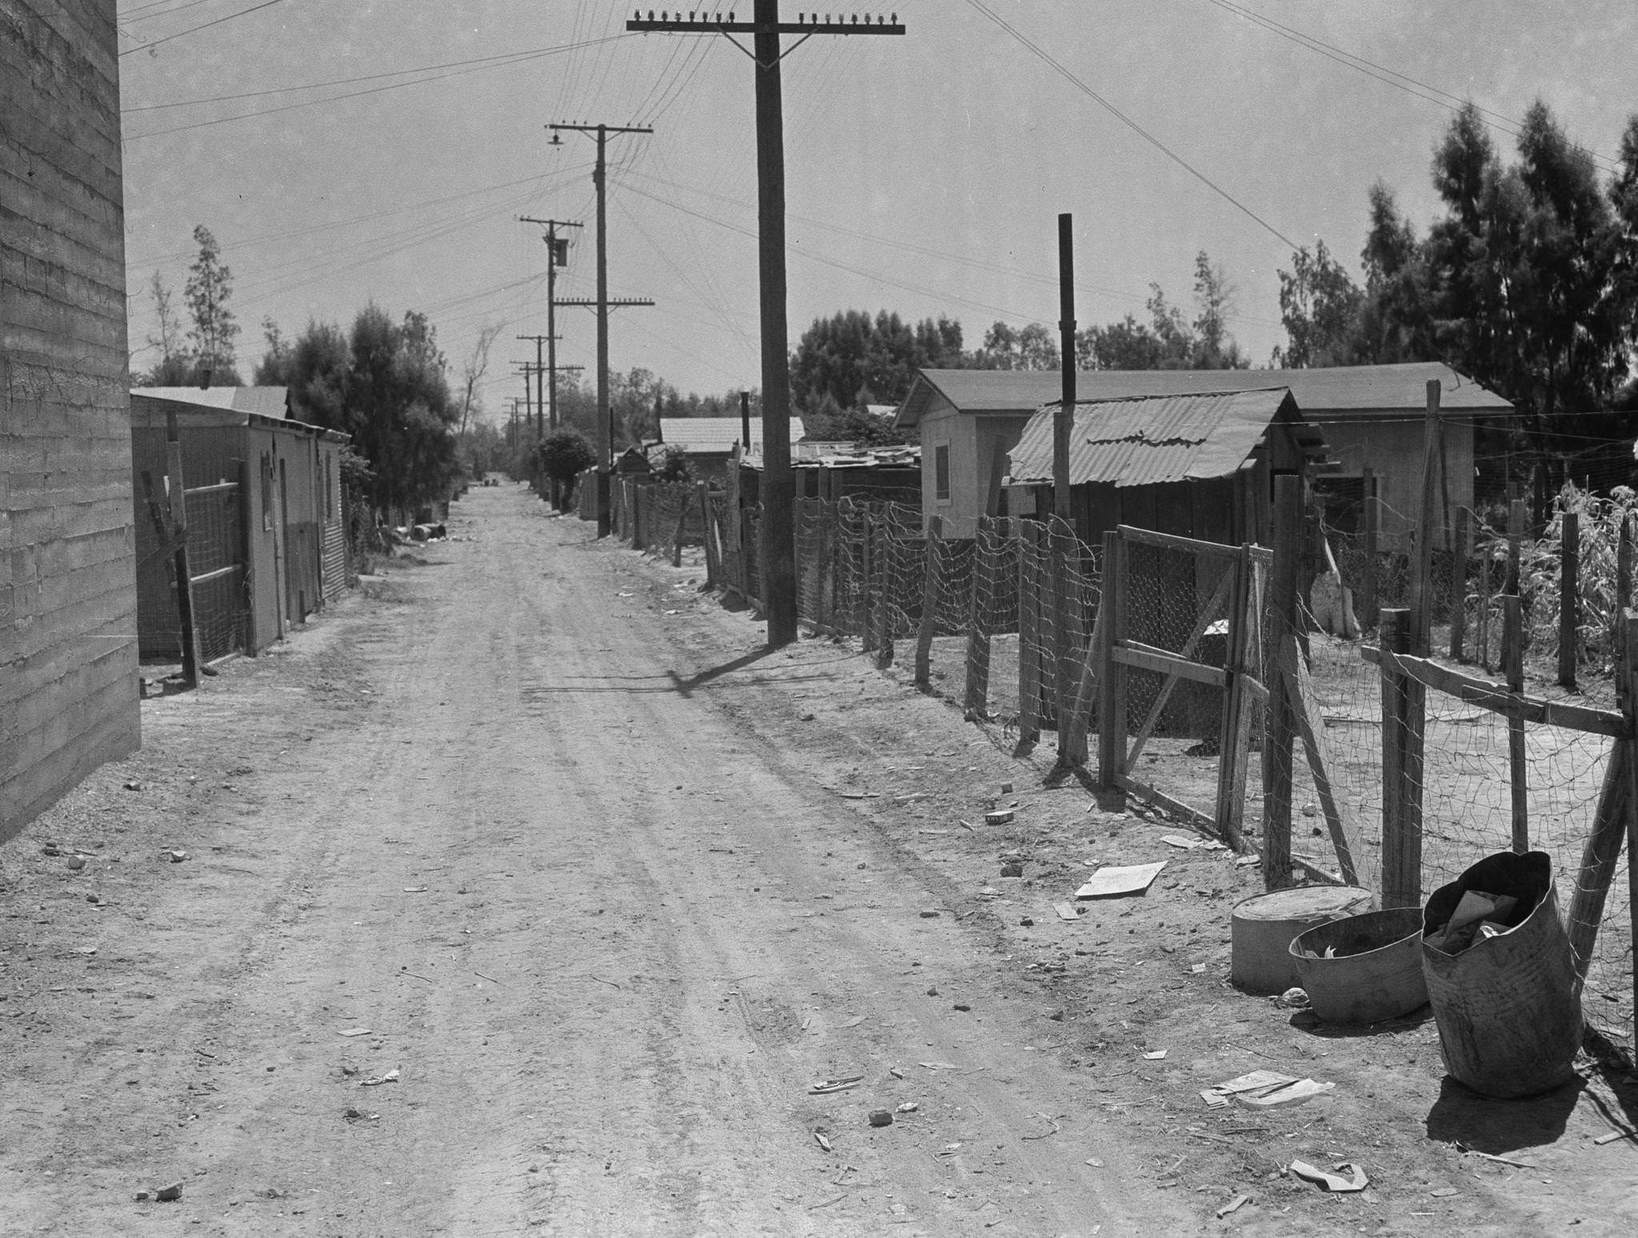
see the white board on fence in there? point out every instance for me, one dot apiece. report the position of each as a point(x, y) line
point(1133, 879)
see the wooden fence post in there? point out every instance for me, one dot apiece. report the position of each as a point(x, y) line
point(1569, 597)
point(1112, 674)
point(1279, 732)
point(1629, 643)
point(1615, 822)
point(1422, 569)
point(1028, 538)
point(1486, 556)
point(189, 633)
point(1623, 592)
point(1601, 853)
point(825, 569)
point(713, 570)
point(865, 609)
point(1373, 524)
point(1518, 522)
point(682, 522)
point(1458, 585)
point(1518, 767)
point(932, 589)
point(1401, 768)
point(977, 696)
point(733, 548)
point(1061, 543)
point(1234, 734)
point(884, 590)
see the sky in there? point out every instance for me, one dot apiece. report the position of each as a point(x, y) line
point(382, 151)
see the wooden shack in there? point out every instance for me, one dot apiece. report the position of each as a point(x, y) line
point(266, 530)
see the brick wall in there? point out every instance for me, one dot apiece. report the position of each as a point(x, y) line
point(68, 687)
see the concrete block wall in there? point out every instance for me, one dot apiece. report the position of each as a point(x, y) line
point(68, 663)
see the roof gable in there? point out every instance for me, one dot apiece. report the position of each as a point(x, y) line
point(1383, 390)
point(716, 435)
point(272, 401)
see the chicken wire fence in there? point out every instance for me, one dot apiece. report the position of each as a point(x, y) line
point(991, 620)
point(1466, 788)
point(1576, 564)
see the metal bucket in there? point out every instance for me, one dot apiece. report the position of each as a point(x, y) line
point(1263, 925)
point(1509, 1006)
point(1376, 969)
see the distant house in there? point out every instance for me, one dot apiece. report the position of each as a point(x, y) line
point(266, 528)
point(827, 470)
point(709, 442)
point(1370, 416)
point(1195, 465)
point(68, 654)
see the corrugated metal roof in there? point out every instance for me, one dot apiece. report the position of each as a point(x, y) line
point(1146, 441)
point(1382, 390)
point(263, 401)
point(716, 435)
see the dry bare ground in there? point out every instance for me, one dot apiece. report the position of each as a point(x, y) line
point(525, 893)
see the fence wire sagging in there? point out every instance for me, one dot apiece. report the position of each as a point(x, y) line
point(1007, 624)
point(1573, 579)
point(1481, 773)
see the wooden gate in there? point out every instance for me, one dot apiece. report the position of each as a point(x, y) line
point(1180, 653)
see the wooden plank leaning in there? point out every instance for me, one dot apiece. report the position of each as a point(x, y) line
point(1614, 822)
point(1305, 708)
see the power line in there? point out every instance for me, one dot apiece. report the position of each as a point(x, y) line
point(1068, 75)
point(526, 54)
point(767, 31)
point(242, 243)
point(217, 21)
point(1391, 77)
point(521, 58)
point(605, 423)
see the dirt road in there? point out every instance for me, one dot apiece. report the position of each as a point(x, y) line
point(543, 841)
point(524, 893)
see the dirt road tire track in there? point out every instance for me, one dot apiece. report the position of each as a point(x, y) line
point(538, 837)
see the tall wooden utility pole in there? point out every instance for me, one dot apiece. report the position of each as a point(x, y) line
point(1064, 419)
point(540, 383)
point(530, 389)
point(605, 421)
point(557, 251)
point(778, 491)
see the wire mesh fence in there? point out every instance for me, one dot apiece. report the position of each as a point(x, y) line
point(1479, 773)
point(1006, 623)
point(1574, 579)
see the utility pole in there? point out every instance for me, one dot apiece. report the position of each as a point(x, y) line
point(1064, 419)
point(778, 490)
point(528, 368)
point(540, 385)
point(605, 421)
point(557, 252)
